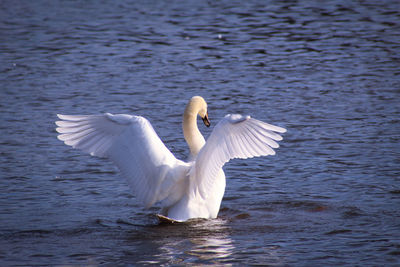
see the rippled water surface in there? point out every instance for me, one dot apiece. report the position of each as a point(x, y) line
point(328, 72)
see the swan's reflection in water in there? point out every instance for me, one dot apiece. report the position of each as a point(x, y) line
point(209, 248)
point(195, 242)
point(198, 241)
point(201, 242)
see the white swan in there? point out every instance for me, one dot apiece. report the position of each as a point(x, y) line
point(185, 190)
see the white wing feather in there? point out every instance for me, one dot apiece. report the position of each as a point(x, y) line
point(132, 144)
point(235, 136)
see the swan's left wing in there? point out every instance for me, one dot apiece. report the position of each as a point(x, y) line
point(235, 136)
point(152, 171)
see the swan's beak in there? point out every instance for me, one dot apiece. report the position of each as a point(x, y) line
point(205, 120)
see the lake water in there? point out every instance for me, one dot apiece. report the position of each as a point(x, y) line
point(328, 72)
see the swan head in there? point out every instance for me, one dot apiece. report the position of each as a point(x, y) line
point(198, 106)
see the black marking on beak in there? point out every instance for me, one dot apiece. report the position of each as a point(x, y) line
point(205, 120)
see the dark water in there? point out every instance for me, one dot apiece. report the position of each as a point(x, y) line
point(328, 72)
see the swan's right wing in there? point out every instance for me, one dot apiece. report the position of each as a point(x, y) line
point(235, 136)
point(132, 144)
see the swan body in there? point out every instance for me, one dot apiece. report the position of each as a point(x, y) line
point(185, 190)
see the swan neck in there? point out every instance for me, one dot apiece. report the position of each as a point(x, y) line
point(193, 137)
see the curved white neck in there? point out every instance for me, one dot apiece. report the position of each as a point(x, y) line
point(193, 137)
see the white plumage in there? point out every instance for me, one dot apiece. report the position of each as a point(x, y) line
point(185, 190)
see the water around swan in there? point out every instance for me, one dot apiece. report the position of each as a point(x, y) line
point(329, 73)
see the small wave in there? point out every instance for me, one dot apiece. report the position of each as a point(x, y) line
point(339, 231)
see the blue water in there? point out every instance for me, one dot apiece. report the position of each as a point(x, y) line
point(328, 72)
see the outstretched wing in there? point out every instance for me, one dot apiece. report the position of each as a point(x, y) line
point(235, 136)
point(132, 144)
